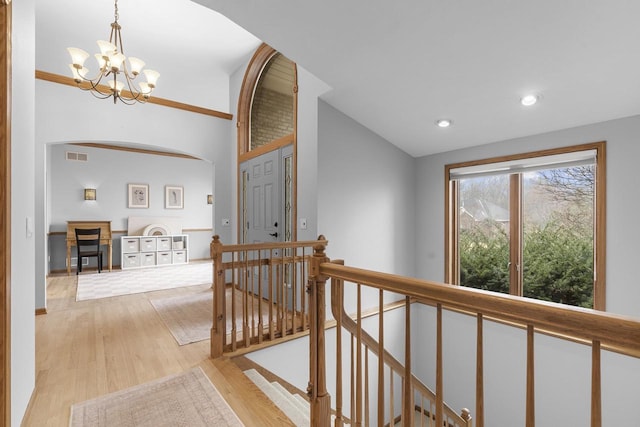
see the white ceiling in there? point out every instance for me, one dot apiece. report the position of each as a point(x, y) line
point(397, 67)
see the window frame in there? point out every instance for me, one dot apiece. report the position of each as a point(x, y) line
point(452, 255)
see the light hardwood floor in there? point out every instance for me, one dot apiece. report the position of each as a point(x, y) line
point(90, 348)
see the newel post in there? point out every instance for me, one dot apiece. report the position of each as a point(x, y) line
point(218, 329)
point(317, 389)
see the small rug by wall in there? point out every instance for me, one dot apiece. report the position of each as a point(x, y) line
point(189, 318)
point(186, 399)
point(111, 284)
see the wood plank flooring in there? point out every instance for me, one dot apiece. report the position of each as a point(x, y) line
point(90, 348)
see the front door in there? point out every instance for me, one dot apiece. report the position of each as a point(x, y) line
point(261, 200)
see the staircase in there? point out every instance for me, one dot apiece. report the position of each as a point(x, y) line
point(293, 405)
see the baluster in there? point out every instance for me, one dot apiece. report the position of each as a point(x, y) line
point(358, 419)
point(271, 298)
point(531, 407)
point(439, 386)
point(381, 359)
point(392, 412)
point(366, 386)
point(260, 299)
point(352, 412)
point(283, 295)
point(408, 408)
point(278, 299)
point(245, 299)
point(596, 402)
point(480, 373)
point(303, 296)
point(252, 312)
point(293, 272)
point(234, 344)
point(337, 287)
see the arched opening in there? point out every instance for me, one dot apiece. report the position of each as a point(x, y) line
point(267, 110)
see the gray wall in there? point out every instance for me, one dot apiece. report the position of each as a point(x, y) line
point(562, 368)
point(366, 204)
point(109, 172)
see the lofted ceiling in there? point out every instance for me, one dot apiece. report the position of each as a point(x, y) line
point(397, 67)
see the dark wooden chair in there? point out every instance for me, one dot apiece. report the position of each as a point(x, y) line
point(88, 246)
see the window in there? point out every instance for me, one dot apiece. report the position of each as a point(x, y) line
point(531, 225)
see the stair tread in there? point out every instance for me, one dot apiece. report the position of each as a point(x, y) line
point(286, 402)
point(290, 396)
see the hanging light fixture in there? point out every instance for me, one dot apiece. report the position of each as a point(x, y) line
point(113, 64)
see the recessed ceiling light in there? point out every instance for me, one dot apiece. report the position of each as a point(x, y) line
point(444, 123)
point(529, 100)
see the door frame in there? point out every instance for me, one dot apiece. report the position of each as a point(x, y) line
point(260, 58)
point(5, 213)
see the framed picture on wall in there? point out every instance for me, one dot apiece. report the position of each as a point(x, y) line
point(139, 196)
point(173, 197)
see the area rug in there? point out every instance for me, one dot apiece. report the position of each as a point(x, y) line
point(186, 399)
point(189, 318)
point(111, 284)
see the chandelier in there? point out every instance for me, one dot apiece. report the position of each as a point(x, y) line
point(113, 66)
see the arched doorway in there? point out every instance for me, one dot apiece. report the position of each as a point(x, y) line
point(267, 111)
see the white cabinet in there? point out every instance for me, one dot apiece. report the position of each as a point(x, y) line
point(151, 251)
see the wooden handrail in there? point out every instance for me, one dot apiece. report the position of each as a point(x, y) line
point(347, 322)
point(619, 332)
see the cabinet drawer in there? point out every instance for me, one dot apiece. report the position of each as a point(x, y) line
point(179, 257)
point(164, 258)
point(147, 244)
point(164, 243)
point(147, 259)
point(131, 260)
point(131, 245)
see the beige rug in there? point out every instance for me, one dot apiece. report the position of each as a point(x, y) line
point(189, 318)
point(125, 282)
point(188, 399)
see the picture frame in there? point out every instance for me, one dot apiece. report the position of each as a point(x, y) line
point(173, 197)
point(138, 196)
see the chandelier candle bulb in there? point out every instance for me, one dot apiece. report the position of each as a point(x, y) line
point(114, 67)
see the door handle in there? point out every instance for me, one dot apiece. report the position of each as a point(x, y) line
point(274, 234)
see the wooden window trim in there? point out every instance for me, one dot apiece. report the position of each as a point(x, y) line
point(599, 264)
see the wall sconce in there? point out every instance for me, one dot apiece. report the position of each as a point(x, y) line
point(90, 194)
point(209, 199)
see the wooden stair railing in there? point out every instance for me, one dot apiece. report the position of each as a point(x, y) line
point(414, 388)
point(598, 329)
point(259, 293)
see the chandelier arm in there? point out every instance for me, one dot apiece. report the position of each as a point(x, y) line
point(94, 86)
point(131, 101)
point(135, 92)
point(99, 94)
